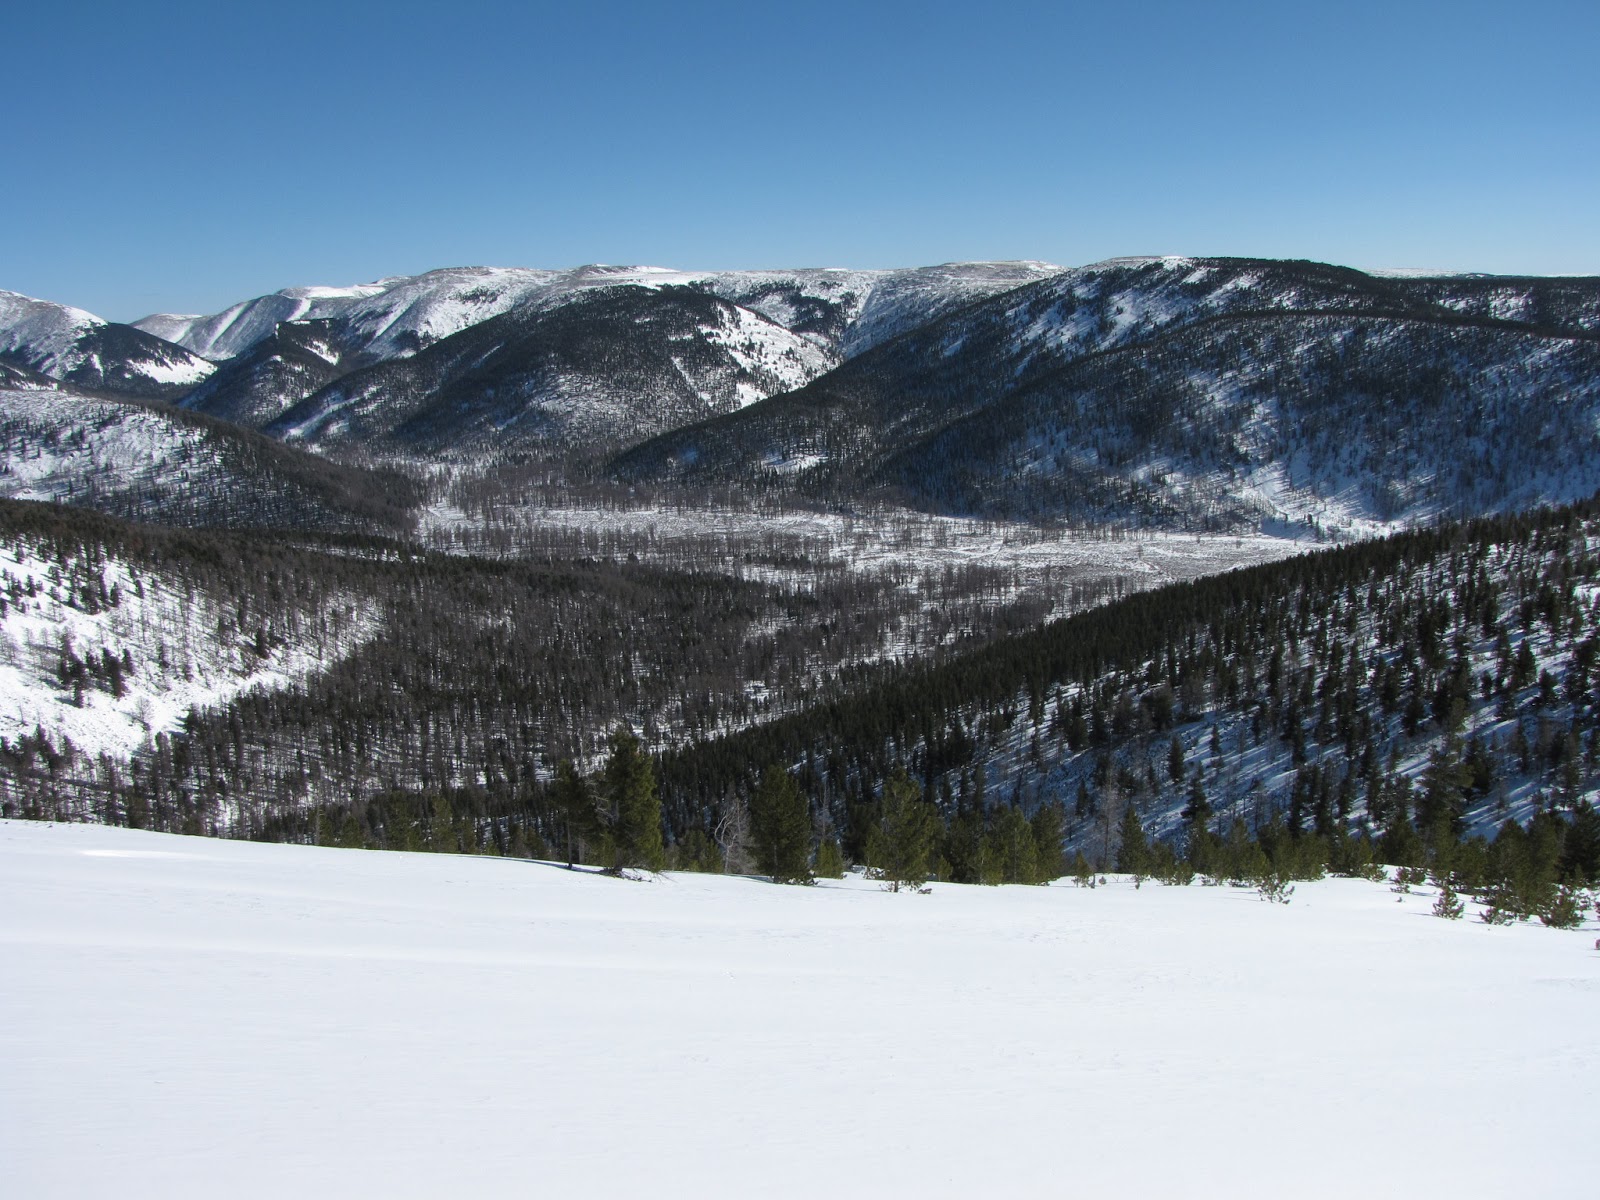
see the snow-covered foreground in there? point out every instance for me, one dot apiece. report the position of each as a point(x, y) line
point(183, 1017)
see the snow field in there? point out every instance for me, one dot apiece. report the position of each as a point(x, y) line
point(185, 1017)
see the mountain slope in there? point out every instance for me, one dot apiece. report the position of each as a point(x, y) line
point(1183, 391)
point(76, 347)
point(1420, 688)
point(254, 389)
point(279, 350)
point(104, 647)
point(600, 371)
point(155, 463)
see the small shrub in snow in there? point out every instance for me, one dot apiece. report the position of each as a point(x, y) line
point(1564, 909)
point(1500, 906)
point(1406, 878)
point(1447, 904)
point(1274, 887)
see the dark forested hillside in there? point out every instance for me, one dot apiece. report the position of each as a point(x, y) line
point(1192, 393)
point(1415, 690)
point(454, 671)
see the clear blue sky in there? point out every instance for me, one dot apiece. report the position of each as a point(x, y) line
point(181, 156)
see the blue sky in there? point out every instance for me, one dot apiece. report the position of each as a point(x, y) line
point(182, 156)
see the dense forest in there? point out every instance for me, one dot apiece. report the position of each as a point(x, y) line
point(423, 669)
point(1401, 700)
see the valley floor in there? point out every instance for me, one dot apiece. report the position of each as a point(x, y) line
point(189, 1017)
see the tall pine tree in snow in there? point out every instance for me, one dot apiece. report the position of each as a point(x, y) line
point(634, 807)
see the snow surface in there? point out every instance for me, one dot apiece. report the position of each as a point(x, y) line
point(185, 1017)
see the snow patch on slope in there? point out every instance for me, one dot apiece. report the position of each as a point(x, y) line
point(174, 647)
point(54, 443)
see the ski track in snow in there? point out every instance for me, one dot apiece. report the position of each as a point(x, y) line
point(185, 1017)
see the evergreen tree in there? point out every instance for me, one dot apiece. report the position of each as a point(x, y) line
point(1195, 815)
point(902, 845)
point(964, 848)
point(780, 822)
point(633, 806)
point(1049, 829)
point(574, 804)
point(1580, 846)
point(1133, 850)
point(1447, 904)
point(1014, 850)
point(830, 860)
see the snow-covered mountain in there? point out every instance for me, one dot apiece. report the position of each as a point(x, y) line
point(151, 462)
point(79, 348)
point(777, 331)
point(1184, 391)
point(1177, 391)
point(385, 319)
point(845, 309)
point(604, 370)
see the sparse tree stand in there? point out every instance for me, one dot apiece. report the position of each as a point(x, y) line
point(902, 845)
point(780, 821)
point(633, 806)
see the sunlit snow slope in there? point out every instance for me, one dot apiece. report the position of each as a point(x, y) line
point(186, 1017)
point(77, 347)
point(104, 654)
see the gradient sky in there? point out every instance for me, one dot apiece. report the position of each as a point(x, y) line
point(179, 157)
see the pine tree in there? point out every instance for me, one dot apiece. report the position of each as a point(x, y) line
point(1447, 904)
point(1195, 815)
point(780, 821)
point(964, 848)
point(574, 804)
point(1013, 846)
point(633, 806)
point(1133, 850)
point(830, 860)
point(1049, 828)
point(902, 845)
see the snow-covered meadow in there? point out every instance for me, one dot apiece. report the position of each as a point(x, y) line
point(186, 1017)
